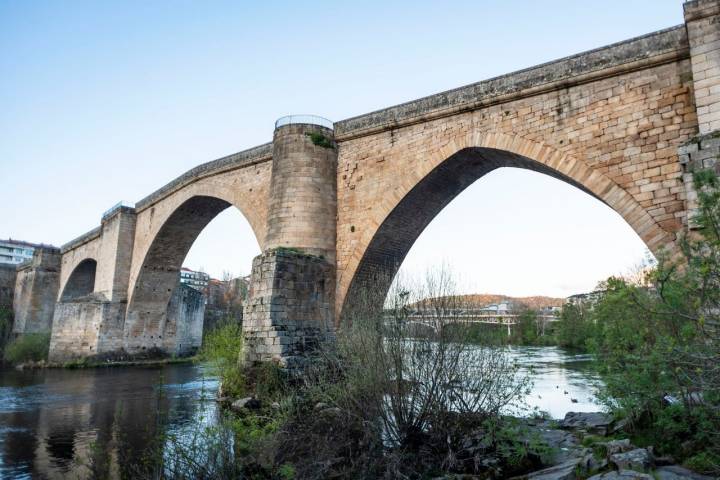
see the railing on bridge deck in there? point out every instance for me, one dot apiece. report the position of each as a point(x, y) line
point(307, 119)
point(507, 319)
point(117, 206)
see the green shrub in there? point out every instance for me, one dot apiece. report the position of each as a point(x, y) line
point(28, 347)
point(320, 140)
point(705, 462)
point(222, 349)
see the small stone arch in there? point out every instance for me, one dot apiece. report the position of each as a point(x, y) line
point(81, 281)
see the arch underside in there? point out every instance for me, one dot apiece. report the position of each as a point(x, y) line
point(81, 281)
point(159, 275)
point(407, 220)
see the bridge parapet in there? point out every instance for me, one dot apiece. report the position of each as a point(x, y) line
point(245, 158)
point(655, 48)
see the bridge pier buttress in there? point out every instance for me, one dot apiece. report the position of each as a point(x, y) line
point(36, 287)
point(702, 21)
point(290, 305)
point(90, 313)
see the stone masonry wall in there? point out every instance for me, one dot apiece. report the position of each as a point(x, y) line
point(289, 307)
point(699, 153)
point(86, 328)
point(36, 289)
point(702, 18)
point(244, 188)
point(92, 327)
point(617, 137)
point(302, 206)
point(8, 274)
point(115, 254)
point(185, 318)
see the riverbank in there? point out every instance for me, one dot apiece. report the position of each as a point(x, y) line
point(84, 363)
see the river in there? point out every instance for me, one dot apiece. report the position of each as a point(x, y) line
point(52, 421)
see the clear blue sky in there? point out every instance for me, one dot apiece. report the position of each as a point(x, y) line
point(102, 101)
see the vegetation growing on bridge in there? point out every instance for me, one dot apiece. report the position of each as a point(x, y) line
point(320, 140)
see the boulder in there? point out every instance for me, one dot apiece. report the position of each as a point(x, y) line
point(640, 459)
point(623, 475)
point(674, 472)
point(249, 403)
point(618, 446)
point(564, 444)
point(563, 471)
point(593, 422)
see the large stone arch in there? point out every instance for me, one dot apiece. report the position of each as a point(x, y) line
point(246, 189)
point(403, 213)
point(158, 273)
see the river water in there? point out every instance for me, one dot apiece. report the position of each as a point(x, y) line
point(53, 421)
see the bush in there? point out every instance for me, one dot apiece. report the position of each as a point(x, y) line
point(29, 347)
point(406, 404)
point(575, 327)
point(222, 348)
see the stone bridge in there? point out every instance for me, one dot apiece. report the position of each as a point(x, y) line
point(336, 207)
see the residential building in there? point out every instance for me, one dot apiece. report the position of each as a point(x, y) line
point(196, 280)
point(15, 252)
point(585, 299)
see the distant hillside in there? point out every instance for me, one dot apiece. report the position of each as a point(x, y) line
point(483, 299)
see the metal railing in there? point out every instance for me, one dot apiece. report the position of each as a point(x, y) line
point(308, 119)
point(117, 206)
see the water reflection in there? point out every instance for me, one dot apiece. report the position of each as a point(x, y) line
point(97, 422)
point(562, 381)
point(63, 423)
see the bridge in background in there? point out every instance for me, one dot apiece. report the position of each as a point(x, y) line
point(433, 321)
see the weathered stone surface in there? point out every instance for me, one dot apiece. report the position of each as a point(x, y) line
point(183, 330)
point(593, 422)
point(618, 446)
point(639, 459)
point(36, 288)
point(564, 471)
point(622, 475)
point(92, 327)
point(289, 309)
point(8, 275)
point(675, 472)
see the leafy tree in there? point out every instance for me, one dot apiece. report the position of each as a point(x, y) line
point(575, 327)
point(658, 342)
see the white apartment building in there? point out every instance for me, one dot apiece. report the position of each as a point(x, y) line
point(15, 251)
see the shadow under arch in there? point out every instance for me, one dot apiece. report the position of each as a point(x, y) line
point(81, 281)
point(159, 274)
point(407, 219)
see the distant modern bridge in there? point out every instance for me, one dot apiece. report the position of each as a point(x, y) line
point(433, 321)
point(336, 207)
